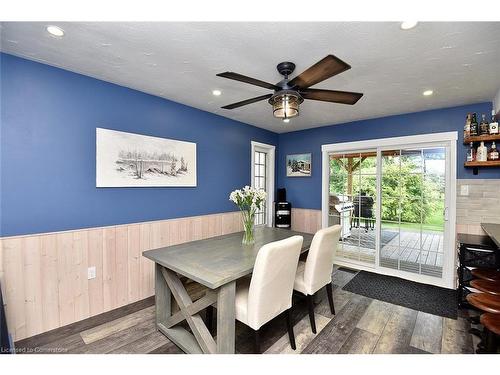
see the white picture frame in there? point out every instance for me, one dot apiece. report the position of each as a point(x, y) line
point(134, 160)
point(299, 165)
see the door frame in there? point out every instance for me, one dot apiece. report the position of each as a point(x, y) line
point(271, 152)
point(448, 279)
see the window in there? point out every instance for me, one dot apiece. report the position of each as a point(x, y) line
point(259, 182)
point(262, 177)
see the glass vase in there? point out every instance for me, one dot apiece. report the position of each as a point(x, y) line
point(248, 226)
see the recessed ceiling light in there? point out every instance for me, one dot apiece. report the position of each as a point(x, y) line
point(216, 92)
point(286, 120)
point(55, 31)
point(428, 93)
point(407, 25)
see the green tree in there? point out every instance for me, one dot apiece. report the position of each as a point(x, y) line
point(405, 193)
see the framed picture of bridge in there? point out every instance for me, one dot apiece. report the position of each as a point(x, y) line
point(298, 165)
point(135, 160)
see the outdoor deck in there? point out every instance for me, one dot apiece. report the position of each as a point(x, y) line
point(404, 247)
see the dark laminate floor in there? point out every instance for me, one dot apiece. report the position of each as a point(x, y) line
point(362, 325)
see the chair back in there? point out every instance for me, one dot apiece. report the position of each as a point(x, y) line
point(271, 286)
point(319, 262)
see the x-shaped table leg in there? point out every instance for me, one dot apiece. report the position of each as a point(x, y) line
point(189, 311)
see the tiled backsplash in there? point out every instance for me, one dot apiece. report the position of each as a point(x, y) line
point(480, 205)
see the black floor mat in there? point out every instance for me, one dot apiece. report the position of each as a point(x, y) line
point(427, 298)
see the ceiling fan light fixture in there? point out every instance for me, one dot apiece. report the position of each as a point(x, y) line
point(286, 104)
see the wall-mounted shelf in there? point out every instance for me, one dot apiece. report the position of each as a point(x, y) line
point(484, 138)
point(477, 164)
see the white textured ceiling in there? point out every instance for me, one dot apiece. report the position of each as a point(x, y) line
point(178, 61)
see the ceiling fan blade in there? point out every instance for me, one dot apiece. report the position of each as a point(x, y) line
point(323, 69)
point(248, 101)
point(344, 97)
point(250, 80)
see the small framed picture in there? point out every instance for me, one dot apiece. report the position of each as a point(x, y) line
point(298, 165)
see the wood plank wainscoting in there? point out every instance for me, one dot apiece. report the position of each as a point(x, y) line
point(44, 276)
point(306, 220)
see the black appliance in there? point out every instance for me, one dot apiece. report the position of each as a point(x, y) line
point(473, 251)
point(363, 208)
point(282, 211)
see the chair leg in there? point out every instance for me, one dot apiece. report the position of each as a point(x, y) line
point(210, 318)
point(329, 293)
point(310, 304)
point(289, 326)
point(256, 337)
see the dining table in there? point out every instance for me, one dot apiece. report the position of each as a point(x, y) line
point(217, 263)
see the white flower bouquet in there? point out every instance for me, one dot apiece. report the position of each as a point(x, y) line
point(249, 200)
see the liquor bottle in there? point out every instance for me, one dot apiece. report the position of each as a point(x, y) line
point(493, 129)
point(471, 153)
point(467, 126)
point(484, 127)
point(473, 126)
point(482, 152)
point(493, 154)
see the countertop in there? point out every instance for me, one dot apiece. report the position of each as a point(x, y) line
point(492, 230)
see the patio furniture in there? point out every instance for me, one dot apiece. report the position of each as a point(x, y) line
point(363, 208)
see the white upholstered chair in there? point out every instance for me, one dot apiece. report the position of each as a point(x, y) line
point(316, 272)
point(268, 293)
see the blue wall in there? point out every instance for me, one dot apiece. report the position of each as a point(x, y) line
point(47, 178)
point(47, 150)
point(305, 192)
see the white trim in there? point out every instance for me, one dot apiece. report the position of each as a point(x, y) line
point(271, 152)
point(388, 142)
point(449, 140)
point(325, 188)
point(451, 204)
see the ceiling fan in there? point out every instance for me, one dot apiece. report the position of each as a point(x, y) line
point(290, 93)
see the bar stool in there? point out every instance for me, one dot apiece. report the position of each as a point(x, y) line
point(482, 274)
point(486, 286)
point(491, 324)
point(485, 302)
point(489, 303)
point(486, 274)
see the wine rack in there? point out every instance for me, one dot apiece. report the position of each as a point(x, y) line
point(484, 138)
point(480, 164)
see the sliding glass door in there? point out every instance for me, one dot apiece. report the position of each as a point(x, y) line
point(413, 209)
point(353, 203)
point(392, 204)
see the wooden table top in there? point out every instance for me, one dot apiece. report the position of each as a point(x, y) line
point(218, 260)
